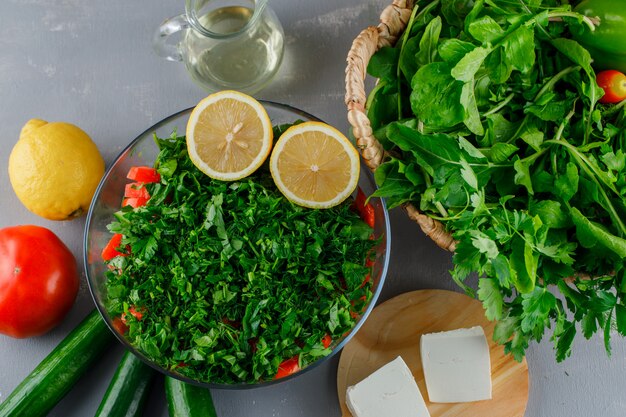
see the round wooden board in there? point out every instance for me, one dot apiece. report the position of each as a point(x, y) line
point(394, 329)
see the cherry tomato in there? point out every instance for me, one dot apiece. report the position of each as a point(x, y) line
point(287, 367)
point(38, 281)
point(614, 85)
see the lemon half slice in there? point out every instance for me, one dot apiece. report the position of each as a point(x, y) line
point(229, 135)
point(314, 165)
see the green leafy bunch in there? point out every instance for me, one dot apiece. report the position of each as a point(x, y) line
point(231, 278)
point(489, 114)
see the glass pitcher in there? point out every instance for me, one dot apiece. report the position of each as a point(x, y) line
point(225, 44)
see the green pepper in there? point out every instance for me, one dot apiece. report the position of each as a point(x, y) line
point(607, 43)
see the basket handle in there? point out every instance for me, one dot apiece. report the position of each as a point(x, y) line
point(393, 21)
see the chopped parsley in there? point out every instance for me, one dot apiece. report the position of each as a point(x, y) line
point(231, 278)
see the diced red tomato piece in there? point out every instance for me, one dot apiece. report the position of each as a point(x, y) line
point(287, 367)
point(137, 313)
point(366, 211)
point(134, 202)
point(326, 341)
point(144, 174)
point(355, 314)
point(253, 344)
point(136, 190)
point(133, 312)
point(110, 250)
point(368, 263)
point(365, 280)
point(234, 323)
point(119, 325)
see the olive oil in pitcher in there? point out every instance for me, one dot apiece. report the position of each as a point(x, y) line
point(242, 57)
point(225, 44)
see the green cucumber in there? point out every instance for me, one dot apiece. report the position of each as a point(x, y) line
point(128, 390)
point(48, 383)
point(187, 400)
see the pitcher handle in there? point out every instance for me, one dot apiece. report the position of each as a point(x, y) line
point(160, 43)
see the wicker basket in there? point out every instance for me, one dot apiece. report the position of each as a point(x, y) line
point(393, 21)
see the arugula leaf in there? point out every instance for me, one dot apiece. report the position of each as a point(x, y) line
point(436, 96)
point(567, 185)
point(427, 52)
point(591, 234)
point(452, 50)
point(383, 64)
point(466, 68)
point(519, 47)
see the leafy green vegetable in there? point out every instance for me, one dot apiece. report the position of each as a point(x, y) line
point(231, 278)
point(490, 115)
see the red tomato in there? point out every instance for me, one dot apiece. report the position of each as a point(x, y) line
point(366, 211)
point(38, 281)
point(287, 367)
point(136, 190)
point(614, 85)
point(368, 263)
point(110, 250)
point(143, 174)
point(326, 341)
point(134, 202)
point(133, 311)
point(119, 325)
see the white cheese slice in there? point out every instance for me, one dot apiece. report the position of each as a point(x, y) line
point(390, 391)
point(456, 365)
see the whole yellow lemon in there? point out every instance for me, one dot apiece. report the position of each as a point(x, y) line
point(55, 169)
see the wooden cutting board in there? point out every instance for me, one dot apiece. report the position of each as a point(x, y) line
point(394, 329)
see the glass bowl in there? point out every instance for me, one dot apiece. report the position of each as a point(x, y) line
point(143, 151)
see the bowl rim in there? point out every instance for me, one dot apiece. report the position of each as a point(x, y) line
point(238, 386)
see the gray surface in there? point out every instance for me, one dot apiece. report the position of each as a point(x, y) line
point(91, 63)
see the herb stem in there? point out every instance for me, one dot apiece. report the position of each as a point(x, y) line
point(500, 105)
point(405, 36)
point(442, 210)
point(534, 156)
point(610, 112)
point(559, 132)
point(590, 170)
point(591, 22)
point(546, 87)
point(550, 84)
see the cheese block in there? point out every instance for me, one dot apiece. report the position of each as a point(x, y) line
point(456, 365)
point(389, 391)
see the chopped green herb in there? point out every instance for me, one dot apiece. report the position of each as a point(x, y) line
point(231, 278)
